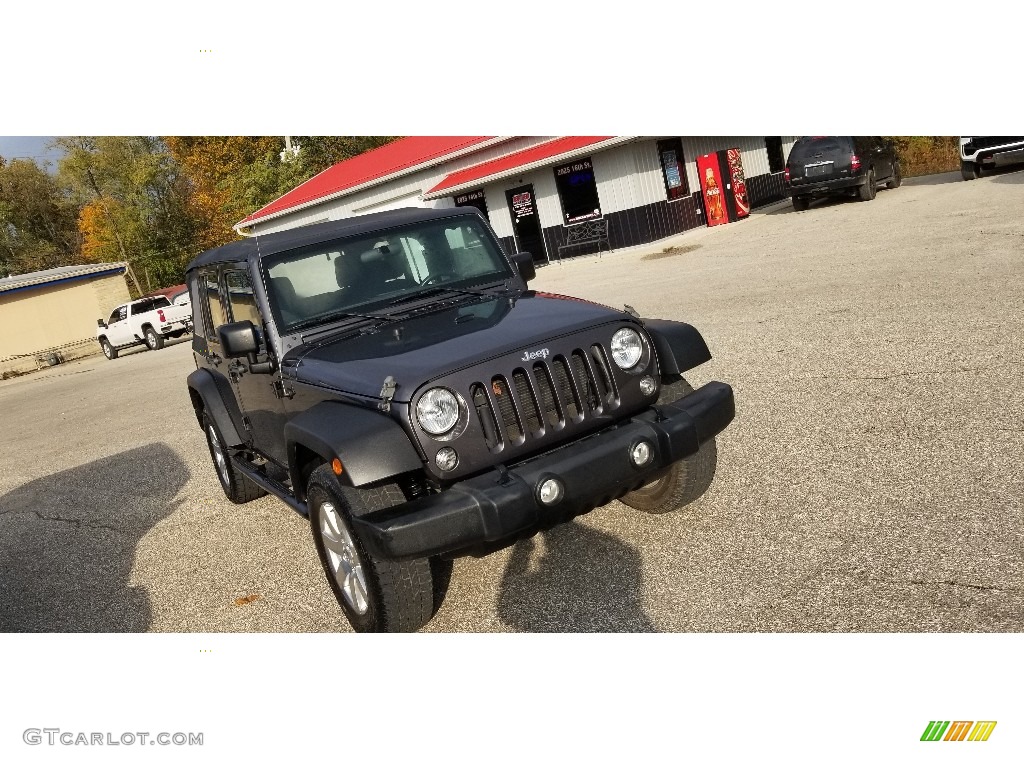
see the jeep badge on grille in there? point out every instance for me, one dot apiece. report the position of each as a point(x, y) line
point(542, 353)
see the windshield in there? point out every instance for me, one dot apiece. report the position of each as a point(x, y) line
point(356, 275)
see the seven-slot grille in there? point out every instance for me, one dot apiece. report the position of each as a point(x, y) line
point(543, 396)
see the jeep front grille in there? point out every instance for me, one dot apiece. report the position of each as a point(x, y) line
point(547, 396)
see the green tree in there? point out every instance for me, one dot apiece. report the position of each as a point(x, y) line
point(135, 204)
point(37, 220)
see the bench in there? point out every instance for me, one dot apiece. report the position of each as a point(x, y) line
point(586, 233)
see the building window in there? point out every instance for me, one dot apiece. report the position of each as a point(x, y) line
point(673, 171)
point(776, 160)
point(474, 199)
point(577, 190)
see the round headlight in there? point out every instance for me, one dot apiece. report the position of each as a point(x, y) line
point(626, 348)
point(437, 411)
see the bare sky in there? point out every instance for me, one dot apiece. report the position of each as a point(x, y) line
point(32, 147)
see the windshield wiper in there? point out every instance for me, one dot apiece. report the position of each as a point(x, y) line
point(331, 316)
point(446, 289)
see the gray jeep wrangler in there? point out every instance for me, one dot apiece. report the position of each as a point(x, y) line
point(392, 377)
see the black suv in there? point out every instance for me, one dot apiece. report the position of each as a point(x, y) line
point(825, 166)
point(392, 377)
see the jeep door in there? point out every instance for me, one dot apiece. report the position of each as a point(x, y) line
point(258, 399)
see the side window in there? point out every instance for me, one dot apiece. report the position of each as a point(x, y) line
point(776, 160)
point(241, 301)
point(213, 311)
point(119, 314)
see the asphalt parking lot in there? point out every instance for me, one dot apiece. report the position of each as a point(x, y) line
point(872, 480)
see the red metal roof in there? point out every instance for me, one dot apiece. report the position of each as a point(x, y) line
point(539, 153)
point(399, 155)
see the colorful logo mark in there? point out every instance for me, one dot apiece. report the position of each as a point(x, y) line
point(958, 730)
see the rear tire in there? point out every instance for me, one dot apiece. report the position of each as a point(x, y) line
point(968, 170)
point(686, 480)
point(867, 190)
point(801, 203)
point(153, 339)
point(376, 595)
point(237, 487)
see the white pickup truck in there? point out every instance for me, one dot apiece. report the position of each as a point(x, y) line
point(148, 321)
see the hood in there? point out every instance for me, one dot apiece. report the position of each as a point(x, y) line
point(433, 345)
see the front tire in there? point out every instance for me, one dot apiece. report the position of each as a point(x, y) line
point(108, 350)
point(237, 487)
point(897, 177)
point(686, 480)
point(153, 339)
point(376, 595)
point(867, 190)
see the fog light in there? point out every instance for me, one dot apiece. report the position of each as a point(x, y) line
point(446, 459)
point(551, 491)
point(642, 453)
point(648, 385)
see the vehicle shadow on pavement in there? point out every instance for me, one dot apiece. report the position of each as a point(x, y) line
point(1013, 175)
point(68, 541)
point(583, 581)
point(821, 202)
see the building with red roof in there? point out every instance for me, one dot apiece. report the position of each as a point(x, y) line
point(534, 189)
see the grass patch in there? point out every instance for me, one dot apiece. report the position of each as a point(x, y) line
point(674, 250)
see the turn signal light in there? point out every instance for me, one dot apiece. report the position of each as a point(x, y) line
point(854, 163)
point(336, 467)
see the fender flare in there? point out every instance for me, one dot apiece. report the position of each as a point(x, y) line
point(213, 394)
point(679, 346)
point(370, 445)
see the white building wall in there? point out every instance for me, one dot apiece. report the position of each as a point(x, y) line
point(628, 176)
point(752, 151)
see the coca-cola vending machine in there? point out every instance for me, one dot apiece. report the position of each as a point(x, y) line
point(723, 186)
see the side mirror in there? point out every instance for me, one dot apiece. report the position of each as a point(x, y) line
point(524, 263)
point(100, 323)
point(239, 340)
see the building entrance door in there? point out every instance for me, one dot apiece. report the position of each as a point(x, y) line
point(522, 204)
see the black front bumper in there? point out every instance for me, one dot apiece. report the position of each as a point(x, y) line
point(501, 505)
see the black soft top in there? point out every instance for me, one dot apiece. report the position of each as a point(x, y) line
point(289, 239)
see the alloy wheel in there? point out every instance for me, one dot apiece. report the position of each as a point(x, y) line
point(346, 565)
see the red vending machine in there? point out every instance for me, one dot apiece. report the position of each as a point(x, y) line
point(724, 187)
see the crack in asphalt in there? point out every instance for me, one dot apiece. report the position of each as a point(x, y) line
point(77, 522)
point(947, 582)
point(900, 375)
